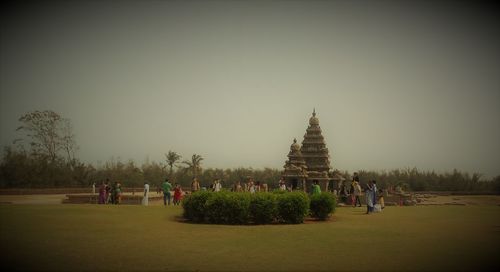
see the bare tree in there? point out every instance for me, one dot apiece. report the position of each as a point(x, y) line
point(48, 134)
point(68, 143)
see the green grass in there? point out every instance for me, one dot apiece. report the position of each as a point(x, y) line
point(128, 238)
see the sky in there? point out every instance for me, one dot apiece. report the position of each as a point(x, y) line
point(395, 84)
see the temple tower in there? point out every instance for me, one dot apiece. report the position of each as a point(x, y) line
point(316, 155)
point(295, 173)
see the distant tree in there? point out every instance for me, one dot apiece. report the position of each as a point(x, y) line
point(172, 157)
point(194, 165)
point(68, 143)
point(48, 134)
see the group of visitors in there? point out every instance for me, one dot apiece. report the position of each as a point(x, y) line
point(216, 186)
point(167, 193)
point(110, 194)
point(250, 186)
point(351, 194)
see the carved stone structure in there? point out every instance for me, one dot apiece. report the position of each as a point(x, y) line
point(295, 173)
point(314, 154)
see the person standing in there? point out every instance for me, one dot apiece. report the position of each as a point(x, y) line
point(316, 190)
point(167, 187)
point(357, 193)
point(282, 185)
point(108, 192)
point(238, 187)
point(93, 188)
point(369, 197)
point(113, 193)
point(251, 188)
point(145, 199)
point(118, 193)
point(102, 193)
point(217, 186)
point(351, 192)
point(177, 194)
point(195, 185)
point(381, 199)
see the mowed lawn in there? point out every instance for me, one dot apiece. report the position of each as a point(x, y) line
point(138, 238)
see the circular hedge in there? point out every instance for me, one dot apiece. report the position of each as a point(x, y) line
point(259, 208)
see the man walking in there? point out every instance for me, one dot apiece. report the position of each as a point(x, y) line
point(167, 187)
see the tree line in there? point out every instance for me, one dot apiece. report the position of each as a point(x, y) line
point(45, 156)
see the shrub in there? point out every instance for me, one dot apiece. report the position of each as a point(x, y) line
point(195, 206)
point(263, 208)
point(322, 205)
point(278, 192)
point(292, 207)
point(227, 208)
point(238, 208)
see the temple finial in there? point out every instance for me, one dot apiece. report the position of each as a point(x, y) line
point(314, 111)
point(294, 140)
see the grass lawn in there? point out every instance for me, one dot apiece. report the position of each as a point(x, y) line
point(128, 238)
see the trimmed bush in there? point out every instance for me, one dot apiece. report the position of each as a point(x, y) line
point(322, 205)
point(263, 208)
point(292, 207)
point(238, 208)
point(195, 206)
point(227, 208)
point(260, 208)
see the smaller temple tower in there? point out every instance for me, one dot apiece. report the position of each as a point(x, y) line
point(295, 172)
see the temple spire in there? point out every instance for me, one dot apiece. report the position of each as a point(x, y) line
point(314, 111)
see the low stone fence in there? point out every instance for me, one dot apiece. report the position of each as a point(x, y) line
point(94, 199)
point(57, 191)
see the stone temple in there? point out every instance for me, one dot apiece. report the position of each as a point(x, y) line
point(310, 162)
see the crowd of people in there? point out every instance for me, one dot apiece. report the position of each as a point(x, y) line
point(112, 193)
point(351, 194)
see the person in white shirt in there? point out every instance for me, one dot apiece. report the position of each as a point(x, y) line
point(217, 186)
point(145, 199)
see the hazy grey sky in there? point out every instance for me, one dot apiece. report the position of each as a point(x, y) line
point(394, 84)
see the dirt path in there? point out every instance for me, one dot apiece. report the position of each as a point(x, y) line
point(32, 199)
point(459, 200)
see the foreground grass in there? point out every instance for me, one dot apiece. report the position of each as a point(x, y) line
point(128, 238)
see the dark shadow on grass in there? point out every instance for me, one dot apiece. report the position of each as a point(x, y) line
point(307, 221)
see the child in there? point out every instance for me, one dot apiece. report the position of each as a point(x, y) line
point(177, 194)
point(381, 199)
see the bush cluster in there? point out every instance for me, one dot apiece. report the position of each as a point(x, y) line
point(260, 208)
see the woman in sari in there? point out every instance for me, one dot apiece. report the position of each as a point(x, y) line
point(102, 193)
point(369, 197)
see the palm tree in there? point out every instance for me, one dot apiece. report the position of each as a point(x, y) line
point(172, 158)
point(194, 165)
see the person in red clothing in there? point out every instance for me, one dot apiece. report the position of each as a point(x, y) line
point(177, 194)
